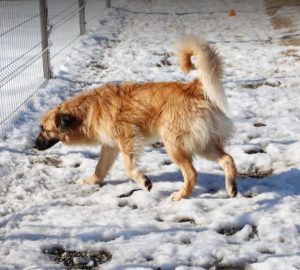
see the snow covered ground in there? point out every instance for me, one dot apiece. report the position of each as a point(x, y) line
point(41, 207)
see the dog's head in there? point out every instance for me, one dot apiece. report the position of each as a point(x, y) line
point(58, 125)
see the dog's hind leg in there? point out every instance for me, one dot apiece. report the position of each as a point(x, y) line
point(185, 162)
point(216, 153)
point(107, 157)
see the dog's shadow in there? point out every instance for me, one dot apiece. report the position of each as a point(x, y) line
point(284, 184)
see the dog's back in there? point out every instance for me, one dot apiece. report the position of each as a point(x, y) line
point(193, 109)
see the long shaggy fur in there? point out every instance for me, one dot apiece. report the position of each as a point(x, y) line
point(209, 65)
point(188, 117)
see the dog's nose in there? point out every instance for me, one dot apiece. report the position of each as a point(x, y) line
point(36, 144)
point(40, 145)
point(43, 144)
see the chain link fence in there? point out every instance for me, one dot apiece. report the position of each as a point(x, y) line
point(35, 37)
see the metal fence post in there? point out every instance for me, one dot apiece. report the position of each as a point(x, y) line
point(108, 4)
point(44, 41)
point(82, 17)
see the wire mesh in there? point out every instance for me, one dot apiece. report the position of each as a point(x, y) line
point(64, 29)
point(92, 10)
point(21, 70)
point(21, 64)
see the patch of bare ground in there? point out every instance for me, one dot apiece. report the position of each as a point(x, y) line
point(256, 173)
point(72, 259)
point(280, 21)
point(290, 41)
point(255, 85)
point(187, 220)
point(49, 161)
point(228, 267)
point(292, 53)
point(274, 5)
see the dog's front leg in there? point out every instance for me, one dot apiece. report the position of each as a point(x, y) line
point(129, 148)
point(106, 160)
point(134, 173)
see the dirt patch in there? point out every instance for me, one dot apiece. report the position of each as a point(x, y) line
point(267, 251)
point(77, 165)
point(187, 220)
point(91, 190)
point(259, 124)
point(165, 59)
point(228, 267)
point(185, 241)
point(164, 62)
point(254, 232)
point(111, 43)
point(273, 6)
point(256, 173)
point(281, 21)
point(254, 85)
point(249, 195)
point(159, 219)
point(165, 55)
point(94, 65)
point(255, 151)
point(49, 161)
point(166, 162)
point(230, 231)
point(73, 259)
point(290, 41)
point(291, 53)
point(125, 203)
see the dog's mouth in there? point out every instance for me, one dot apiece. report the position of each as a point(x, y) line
point(43, 144)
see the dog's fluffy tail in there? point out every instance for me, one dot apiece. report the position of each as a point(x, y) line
point(208, 63)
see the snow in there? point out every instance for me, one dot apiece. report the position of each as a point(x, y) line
point(41, 205)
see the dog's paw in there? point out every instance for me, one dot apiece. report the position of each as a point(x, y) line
point(176, 196)
point(148, 183)
point(232, 191)
point(82, 181)
point(92, 180)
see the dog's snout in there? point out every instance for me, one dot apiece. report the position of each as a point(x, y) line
point(42, 143)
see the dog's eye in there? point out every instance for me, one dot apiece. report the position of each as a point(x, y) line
point(42, 127)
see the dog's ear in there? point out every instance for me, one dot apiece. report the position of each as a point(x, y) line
point(66, 121)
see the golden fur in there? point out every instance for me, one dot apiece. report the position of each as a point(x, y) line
point(188, 117)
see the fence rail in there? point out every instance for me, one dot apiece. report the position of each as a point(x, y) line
point(35, 37)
